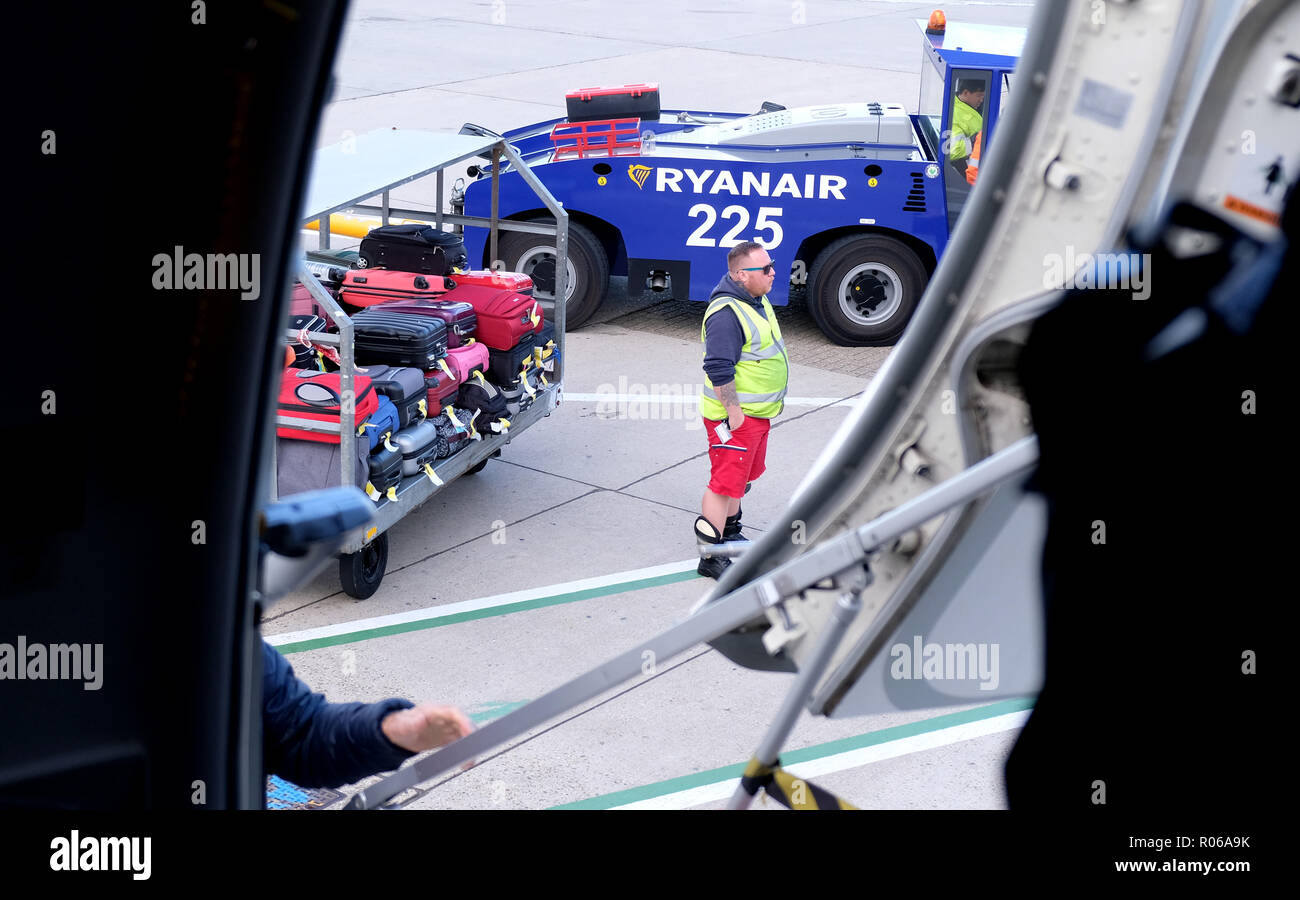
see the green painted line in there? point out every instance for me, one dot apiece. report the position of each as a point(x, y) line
point(365, 634)
point(793, 757)
point(493, 710)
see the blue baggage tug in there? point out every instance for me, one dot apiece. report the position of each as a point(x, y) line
point(858, 199)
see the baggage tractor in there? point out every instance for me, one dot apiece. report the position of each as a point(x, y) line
point(404, 386)
point(305, 357)
point(466, 360)
point(305, 394)
point(504, 366)
point(362, 288)
point(394, 339)
point(628, 101)
point(311, 465)
point(413, 248)
point(503, 316)
point(385, 472)
point(460, 318)
point(441, 389)
point(419, 446)
point(506, 281)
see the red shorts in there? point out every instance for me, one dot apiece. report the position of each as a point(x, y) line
point(741, 460)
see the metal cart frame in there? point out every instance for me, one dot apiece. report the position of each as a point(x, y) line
point(358, 169)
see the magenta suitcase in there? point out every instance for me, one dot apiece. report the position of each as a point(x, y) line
point(466, 359)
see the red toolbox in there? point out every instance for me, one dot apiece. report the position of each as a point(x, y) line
point(639, 101)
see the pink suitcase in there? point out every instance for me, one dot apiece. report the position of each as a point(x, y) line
point(465, 359)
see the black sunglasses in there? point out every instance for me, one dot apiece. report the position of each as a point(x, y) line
point(766, 270)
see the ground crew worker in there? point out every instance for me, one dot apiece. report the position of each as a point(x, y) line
point(746, 372)
point(973, 164)
point(966, 121)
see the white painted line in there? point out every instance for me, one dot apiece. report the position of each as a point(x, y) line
point(815, 768)
point(694, 399)
point(451, 609)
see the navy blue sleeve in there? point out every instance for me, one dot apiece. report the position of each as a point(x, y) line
point(722, 342)
point(314, 743)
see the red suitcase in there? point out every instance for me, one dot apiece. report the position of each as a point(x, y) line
point(460, 318)
point(464, 360)
point(506, 281)
point(305, 394)
point(443, 388)
point(369, 287)
point(503, 316)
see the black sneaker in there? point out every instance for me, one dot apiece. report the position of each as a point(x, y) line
point(713, 566)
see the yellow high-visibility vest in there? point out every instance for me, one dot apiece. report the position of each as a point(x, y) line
point(762, 372)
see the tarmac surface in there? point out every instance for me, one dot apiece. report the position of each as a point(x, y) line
point(576, 543)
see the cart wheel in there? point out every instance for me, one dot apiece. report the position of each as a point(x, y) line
point(476, 468)
point(362, 571)
point(363, 262)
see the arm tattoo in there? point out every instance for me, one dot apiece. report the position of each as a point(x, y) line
point(727, 394)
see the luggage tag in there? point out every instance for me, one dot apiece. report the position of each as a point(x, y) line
point(481, 379)
point(389, 445)
point(423, 406)
point(451, 415)
point(533, 317)
point(473, 432)
point(433, 476)
point(392, 493)
point(528, 388)
point(442, 364)
point(501, 426)
point(361, 432)
point(372, 493)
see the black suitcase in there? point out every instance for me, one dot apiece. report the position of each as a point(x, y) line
point(404, 385)
point(305, 357)
point(413, 248)
point(385, 470)
point(504, 366)
point(630, 101)
point(393, 339)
